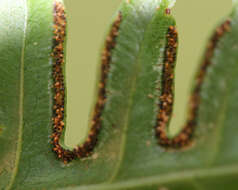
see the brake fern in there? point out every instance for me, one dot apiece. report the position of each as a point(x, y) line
point(127, 145)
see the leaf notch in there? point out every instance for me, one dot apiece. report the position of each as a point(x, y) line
point(185, 137)
point(87, 147)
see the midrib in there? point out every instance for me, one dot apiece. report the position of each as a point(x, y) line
point(125, 127)
point(130, 103)
point(21, 100)
point(204, 173)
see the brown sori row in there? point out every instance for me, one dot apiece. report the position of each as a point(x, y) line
point(166, 100)
point(59, 88)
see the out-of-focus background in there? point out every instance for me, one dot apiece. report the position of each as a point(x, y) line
point(87, 23)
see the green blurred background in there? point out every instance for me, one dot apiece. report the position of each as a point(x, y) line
point(87, 23)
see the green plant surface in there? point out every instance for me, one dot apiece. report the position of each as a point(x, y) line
point(127, 155)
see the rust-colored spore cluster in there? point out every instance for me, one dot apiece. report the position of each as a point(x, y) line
point(85, 149)
point(185, 136)
point(166, 98)
point(58, 77)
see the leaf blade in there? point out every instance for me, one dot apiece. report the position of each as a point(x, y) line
point(11, 53)
point(140, 162)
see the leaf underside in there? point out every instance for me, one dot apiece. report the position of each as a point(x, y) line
point(127, 155)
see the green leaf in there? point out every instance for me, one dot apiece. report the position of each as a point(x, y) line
point(127, 154)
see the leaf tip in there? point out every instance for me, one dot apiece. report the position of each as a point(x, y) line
point(235, 2)
point(167, 3)
point(234, 6)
